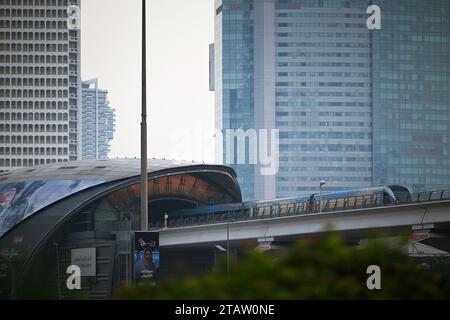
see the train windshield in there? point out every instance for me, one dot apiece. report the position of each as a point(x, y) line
point(402, 194)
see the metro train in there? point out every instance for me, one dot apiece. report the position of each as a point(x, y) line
point(315, 203)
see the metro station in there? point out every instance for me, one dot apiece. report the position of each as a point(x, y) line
point(88, 214)
point(51, 210)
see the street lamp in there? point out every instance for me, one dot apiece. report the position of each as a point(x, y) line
point(144, 172)
point(228, 243)
point(217, 247)
point(322, 183)
point(57, 269)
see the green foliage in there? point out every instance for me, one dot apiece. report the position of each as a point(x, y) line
point(326, 269)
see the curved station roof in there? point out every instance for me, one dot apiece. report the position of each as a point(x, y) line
point(68, 203)
point(24, 192)
point(102, 170)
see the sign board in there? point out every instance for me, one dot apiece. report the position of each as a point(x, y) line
point(85, 258)
point(146, 257)
point(264, 246)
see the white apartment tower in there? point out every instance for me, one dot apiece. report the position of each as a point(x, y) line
point(40, 86)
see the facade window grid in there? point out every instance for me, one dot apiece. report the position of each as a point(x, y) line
point(98, 121)
point(36, 71)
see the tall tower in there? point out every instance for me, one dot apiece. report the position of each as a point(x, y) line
point(411, 94)
point(40, 87)
point(98, 122)
point(355, 107)
point(304, 68)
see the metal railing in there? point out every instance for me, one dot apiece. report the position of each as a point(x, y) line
point(274, 209)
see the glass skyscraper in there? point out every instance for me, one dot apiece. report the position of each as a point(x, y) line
point(233, 65)
point(354, 107)
point(411, 94)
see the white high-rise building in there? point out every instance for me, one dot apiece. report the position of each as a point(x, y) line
point(40, 86)
point(98, 121)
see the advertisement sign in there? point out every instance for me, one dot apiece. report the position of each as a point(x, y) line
point(19, 200)
point(85, 258)
point(146, 257)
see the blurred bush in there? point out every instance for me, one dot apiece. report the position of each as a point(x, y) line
point(325, 269)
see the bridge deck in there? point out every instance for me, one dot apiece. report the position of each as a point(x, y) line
point(294, 207)
point(401, 218)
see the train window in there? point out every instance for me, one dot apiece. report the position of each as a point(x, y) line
point(386, 198)
point(379, 199)
point(446, 194)
point(301, 207)
point(359, 203)
point(311, 205)
point(326, 205)
point(316, 206)
point(260, 211)
point(340, 204)
point(351, 202)
point(263, 211)
point(332, 204)
point(346, 203)
point(290, 209)
point(368, 200)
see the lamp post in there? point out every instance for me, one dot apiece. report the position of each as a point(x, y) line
point(228, 243)
point(9, 255)
point(219, 248)
point(144, 172)
point(322, 183)
point(57, 269)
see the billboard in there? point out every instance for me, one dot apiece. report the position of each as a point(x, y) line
point(146, 258)
point(21, 199)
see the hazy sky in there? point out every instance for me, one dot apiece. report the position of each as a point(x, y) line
point(179, 33)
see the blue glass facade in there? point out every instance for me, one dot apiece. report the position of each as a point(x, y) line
point(411, 94)
point(323, 96)
point(234, 71)
point(321, 84)
point(355, 107)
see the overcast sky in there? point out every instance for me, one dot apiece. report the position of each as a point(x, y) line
point(179, 33)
